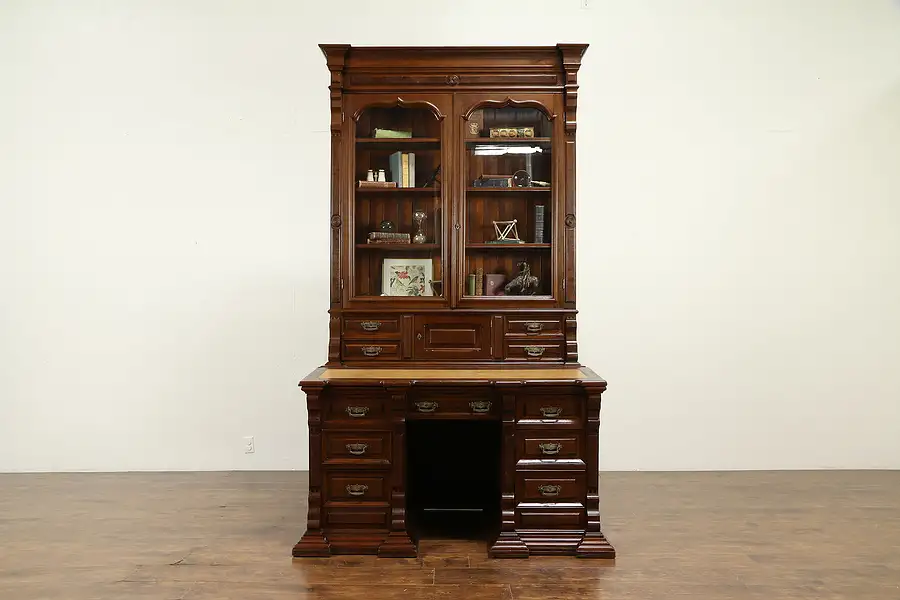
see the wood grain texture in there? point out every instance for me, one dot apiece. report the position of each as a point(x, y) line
point(493, 374)
point(787, 535)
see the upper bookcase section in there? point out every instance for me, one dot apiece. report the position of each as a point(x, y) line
point(380, 68)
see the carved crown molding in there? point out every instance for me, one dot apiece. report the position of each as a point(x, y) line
point(400, 102)
point(510, 102)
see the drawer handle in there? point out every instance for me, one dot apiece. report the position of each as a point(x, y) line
point(550, 447)
point(533, 327)
point(551, 412)
point(480, 406)
point(426, 407)
point(357, 449)
point(357, 411)
point(534, 350)
point(357, 489)
point(548, 489)
point(370, 325)
point(371, 350)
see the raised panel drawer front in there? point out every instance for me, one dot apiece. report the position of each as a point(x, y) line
point(372, 351)
point(372, 327)
point(537, 350)
point(354, 407)
point(363, 448)
point(356, 517)
point(565, 515)
point(549, 409)
point(442, 337)
point(550, 486)
point(356, 486)
point(545, 445)
point(533, 325)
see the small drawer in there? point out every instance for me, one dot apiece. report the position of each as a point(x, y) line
point(356, 486)
point(353, 517)
point(372, 327)
point(550, 486)
point(533, 325)
point(453, 403)
point(355, 408)
point(365, 448)
point(374, 351)
point(561, 516)
point(535, 351)
point(540, 445)
point(549, 409)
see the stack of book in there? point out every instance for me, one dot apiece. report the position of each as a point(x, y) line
point(403, 169)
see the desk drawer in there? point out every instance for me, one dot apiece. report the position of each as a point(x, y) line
point(547, 445)
point(549, 409)
point(453, 403)
point(372, 326)
point(533, 325)
point(356, 407)
point(373, 351)
point(542, 350)
point(363, 448)
point(356, 486)
point(550, 486)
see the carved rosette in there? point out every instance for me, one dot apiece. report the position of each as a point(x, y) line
point(570, 221)
point(335, 221)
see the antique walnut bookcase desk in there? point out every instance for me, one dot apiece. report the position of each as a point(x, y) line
point(452, 396)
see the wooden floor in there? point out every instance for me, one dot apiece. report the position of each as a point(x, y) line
point(741, 535)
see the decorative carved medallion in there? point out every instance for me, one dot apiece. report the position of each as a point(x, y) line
point(570, 221)
point(336, 221)
point(452, 79)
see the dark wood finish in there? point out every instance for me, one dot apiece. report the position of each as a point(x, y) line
point(487, 388)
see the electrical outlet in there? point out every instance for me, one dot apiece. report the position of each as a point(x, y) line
point(248, 445)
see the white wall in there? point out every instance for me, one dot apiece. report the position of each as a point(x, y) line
point(164, 190)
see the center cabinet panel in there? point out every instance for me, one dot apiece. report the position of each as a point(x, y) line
point(451, 337)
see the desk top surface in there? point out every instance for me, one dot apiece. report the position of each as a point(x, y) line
point(490, 374)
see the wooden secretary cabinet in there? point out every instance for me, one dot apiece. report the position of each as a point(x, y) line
point(452, 394)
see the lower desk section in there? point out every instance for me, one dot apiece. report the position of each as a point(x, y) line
point(510, 460)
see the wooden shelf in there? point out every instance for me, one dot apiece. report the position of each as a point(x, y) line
point(395, 190)
point(399, 247)
point(404, 143)
point(489, 140)
point(525, 246)
point(507, 190)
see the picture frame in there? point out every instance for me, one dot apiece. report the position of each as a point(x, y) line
point(403, 276)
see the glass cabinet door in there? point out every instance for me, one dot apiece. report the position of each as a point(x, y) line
point(508, 202)
point(397, 203)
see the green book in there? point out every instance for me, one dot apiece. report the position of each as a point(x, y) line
point(391, 133)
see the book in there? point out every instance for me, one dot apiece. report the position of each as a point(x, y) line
point(539, 224)
point(391, 133)
point(479, 282)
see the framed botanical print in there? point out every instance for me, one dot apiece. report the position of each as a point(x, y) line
point(406, 277)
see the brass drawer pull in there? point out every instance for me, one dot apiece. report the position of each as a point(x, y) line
point(534, 350)
point(534, 327)
point(357, 411)
point(549, 489)
point(426, 407)
point(371, 350)
point(370, 325)
point(480, 406)
point(550, 447)
point(551, 412)
point(357, 449)
point(357, 489)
